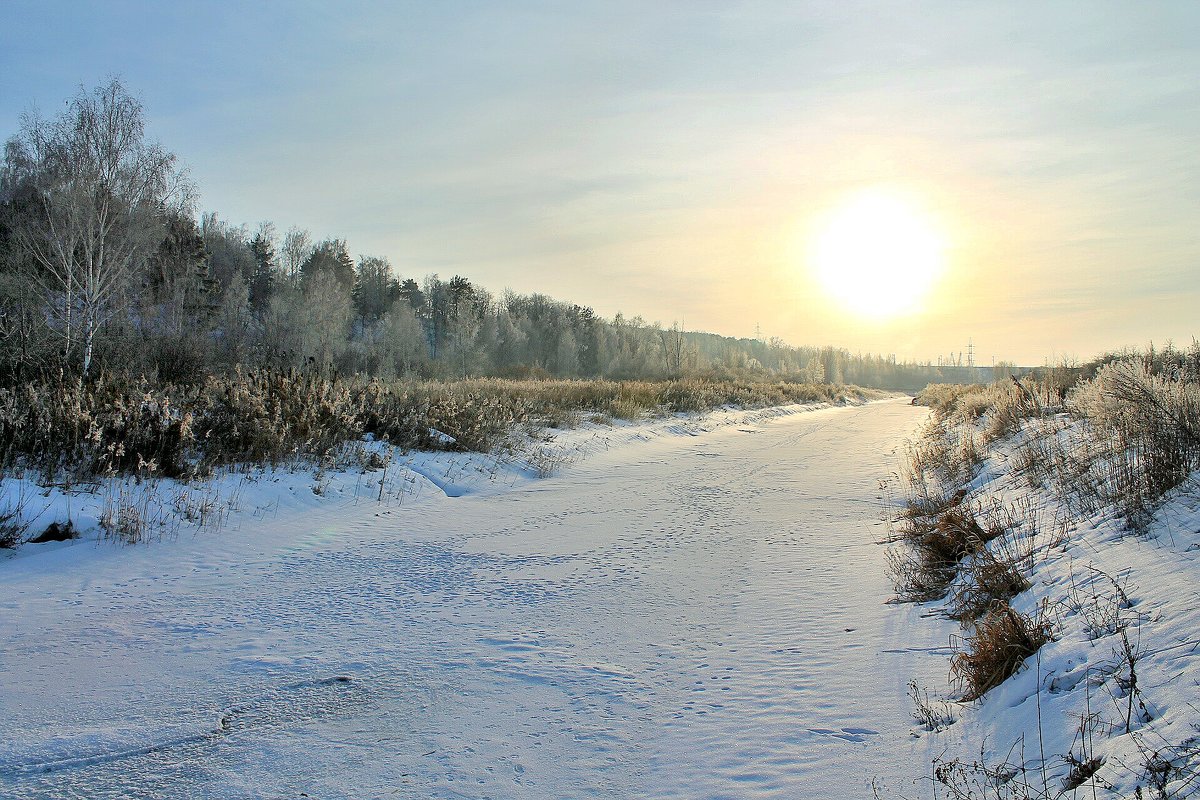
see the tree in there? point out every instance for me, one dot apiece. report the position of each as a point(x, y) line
point(437, 313)
point(566, 357)
point(308, 326)
point(325, 319)
point(262, 282)
point(412, 293)
point(22, 324)
point(672, 349)
point(235, 322)
point(375, 289)
point(99, 195)
point(330, 257)
point(230, 258)
point(401, 339)
point(589, 338)
point(180, 303)
point(509, 341)
point(177, 277)
point(297, 247)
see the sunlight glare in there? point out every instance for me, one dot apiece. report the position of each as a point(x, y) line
point(878, 254)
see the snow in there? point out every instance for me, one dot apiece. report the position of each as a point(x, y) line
point(1094, 578)
point(685, 608)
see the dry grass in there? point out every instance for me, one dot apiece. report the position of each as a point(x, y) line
point(932, 537)
point(954, 534)
point(1132, 436)
point(988, 580)
point(941, 459)
point(947, 398)
point(120, 425)
point(997, 646)
point(13, 528)
point(1143, 436)
point(1118, 435)
point(1010, 404)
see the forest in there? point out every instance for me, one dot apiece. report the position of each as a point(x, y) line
point(106, 267)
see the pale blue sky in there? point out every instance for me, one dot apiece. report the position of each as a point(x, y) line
point(666, 159)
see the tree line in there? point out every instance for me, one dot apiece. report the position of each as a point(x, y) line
point(104, 265)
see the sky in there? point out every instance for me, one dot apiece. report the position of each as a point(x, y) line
point(678, 160)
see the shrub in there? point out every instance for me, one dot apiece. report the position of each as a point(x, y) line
point(944, 398)
point(917, 578)
point(935, 532)
point(955, 534)
point(111, 424)
point(1005, 405)
point(12, 528)
point(989, 579)
point(266, 416)
point(942, 458)
point(1011, 403)
point(999, 643)
point(1144, 435)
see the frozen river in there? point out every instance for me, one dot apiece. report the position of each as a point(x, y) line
point(687, 616)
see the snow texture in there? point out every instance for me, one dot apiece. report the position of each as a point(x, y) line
point(691, 608)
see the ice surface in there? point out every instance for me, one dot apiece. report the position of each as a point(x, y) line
point(691, 609)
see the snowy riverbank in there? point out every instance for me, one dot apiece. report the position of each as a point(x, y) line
point(1110, 706)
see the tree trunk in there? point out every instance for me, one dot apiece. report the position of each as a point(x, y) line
point(89, 335)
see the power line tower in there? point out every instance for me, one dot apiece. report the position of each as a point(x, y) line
point(971, 353)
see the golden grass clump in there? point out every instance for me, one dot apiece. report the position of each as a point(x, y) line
point(934, 534)
point(998, 645)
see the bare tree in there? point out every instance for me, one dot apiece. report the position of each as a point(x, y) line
point(297, 247)
point(100, 193)
point(672, 349)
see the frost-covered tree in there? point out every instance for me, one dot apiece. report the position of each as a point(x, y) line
point(308, 327)
point(297, 247)
point(566, 356)
point(97, 195)
point(324, 320)
point(401, 339)
point(509, 342)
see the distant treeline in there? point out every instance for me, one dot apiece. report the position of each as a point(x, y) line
point(105, 267)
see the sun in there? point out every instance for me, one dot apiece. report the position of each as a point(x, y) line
point(878, 254)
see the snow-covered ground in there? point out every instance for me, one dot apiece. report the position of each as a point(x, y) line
point(1111, 706)
point(692, 608)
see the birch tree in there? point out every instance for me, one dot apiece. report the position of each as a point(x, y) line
point(297, 247)
point(100, 192)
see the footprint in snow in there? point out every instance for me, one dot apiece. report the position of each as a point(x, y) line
point(857, 735)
